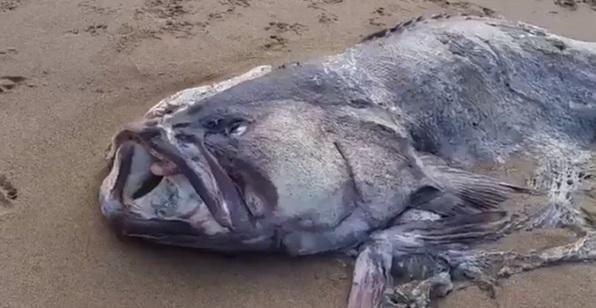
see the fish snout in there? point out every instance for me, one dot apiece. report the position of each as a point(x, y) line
point(132, 172)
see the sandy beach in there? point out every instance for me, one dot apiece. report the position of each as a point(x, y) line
point(73, 71)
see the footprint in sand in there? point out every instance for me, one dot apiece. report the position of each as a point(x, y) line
point(90, 6)
point(327, 18)
point(282, 27)
point(230, 8)
point(172, 16)
point(320, 4)
point(8, 192)
point(96, 29)
point(378, 14)
point(9, 5)
point(277, 41)
point(8, 51)
point(574, 4)
point(8, 83)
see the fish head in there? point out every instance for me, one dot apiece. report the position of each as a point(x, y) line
point(153, 191)
point(227, 176)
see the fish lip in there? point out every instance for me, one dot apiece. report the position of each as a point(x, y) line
point(181, 233)
point(152, 138)
point(111, 200)
point(131, 225)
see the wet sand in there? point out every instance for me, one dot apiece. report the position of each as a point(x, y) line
point(73, 71)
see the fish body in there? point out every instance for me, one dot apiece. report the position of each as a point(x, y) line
point(369, 149)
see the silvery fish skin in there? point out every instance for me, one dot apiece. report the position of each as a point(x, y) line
point(369, 151)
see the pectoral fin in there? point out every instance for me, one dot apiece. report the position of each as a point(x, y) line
point(450, 191)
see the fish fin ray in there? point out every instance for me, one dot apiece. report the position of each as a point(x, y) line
point(452, 191)
point(448, 232)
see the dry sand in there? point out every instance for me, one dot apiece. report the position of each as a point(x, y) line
point(75, 70)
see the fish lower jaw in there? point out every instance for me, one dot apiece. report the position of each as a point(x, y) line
point(110, 207)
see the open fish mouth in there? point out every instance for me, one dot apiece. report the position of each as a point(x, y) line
point(144, 158)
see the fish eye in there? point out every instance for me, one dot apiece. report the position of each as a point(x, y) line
point(237, 128)
point(213, 124)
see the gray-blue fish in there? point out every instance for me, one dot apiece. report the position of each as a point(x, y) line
point(372, 151)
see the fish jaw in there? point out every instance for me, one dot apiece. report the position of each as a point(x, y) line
point(155, 156)
point(171, 210)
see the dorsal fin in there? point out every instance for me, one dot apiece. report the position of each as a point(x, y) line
point(411, 22)
point(397, 28)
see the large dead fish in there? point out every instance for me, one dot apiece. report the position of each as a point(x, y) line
point(371, 151)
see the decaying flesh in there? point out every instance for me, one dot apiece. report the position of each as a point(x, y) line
point(372, 151)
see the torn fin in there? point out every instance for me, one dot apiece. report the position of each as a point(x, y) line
point(372, 275)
